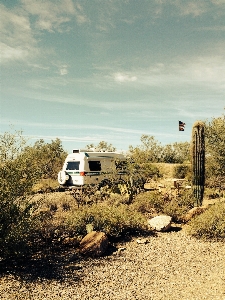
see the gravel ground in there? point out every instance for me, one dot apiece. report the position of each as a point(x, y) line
point(170, 266)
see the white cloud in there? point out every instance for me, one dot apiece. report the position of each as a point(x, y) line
point(206, 71)
point(16, 36)
point(203, 71)
point(64, 138)
point(52, 15)
point(195, 8)
point(80, 15)
point(20, 25)
point(218, 2)
point(63, 70)
point(190, 7)
point(122, 77)
point(12, 53)
point(38, 66)
point(91, 128)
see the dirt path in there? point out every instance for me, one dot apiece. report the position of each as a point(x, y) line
point(170, 266)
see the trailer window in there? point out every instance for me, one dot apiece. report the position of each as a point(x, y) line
point(72, 165)
point(94, 165)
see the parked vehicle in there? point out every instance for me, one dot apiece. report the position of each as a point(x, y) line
point(84, 167)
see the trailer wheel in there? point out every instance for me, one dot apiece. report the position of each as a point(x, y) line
point(62, 177)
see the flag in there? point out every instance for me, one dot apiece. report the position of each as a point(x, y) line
point(181, 126)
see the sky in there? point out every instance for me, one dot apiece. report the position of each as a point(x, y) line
point(110, 70)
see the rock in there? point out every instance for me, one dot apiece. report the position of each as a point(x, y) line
point(142, 241)
point(119, 251)
point(94, 244)
point(160, 223)
point(188, 187)
point(194, 212)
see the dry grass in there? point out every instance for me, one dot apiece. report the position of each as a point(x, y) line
point(166, 169)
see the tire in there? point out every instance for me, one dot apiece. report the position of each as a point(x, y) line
point(62, 177)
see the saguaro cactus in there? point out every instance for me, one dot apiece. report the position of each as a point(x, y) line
point(198, 161)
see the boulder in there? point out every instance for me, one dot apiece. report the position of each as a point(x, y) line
point(194, 212)
point(94, 244)
point(160, 223)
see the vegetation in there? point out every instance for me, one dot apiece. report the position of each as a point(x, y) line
point(20, 168)
point(47, 157)
point(153, 203)
point(210, 224)
point(17, 177)
point(101, 146)
point(113, 220)
point(28, 220)
point(182, 171)
point(176, 153)
point(215, 153)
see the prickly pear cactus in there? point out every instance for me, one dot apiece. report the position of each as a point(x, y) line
point(198, 161)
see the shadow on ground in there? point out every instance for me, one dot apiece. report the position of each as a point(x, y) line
point(44, 266)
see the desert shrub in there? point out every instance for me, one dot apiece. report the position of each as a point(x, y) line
point(146, 202)
point(17, 178)
point(182, 171)
point(113, 220)
point(45, 185)
point(185, 198)
point(179, 206)
point(19, 171)
point(57, 202)
point(175, 210)
point(176, 153)
point(210, 224)
point(155, 202)
point(115, 199)
point(16, 225)
point(47, 157)
point(215, 152)
point(49, 219)
point(213, 193)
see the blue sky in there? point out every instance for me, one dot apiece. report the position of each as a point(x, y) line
point(92, 70)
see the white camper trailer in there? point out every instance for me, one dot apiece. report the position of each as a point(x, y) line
point(83, 167)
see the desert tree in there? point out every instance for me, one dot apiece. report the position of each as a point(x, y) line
point(102, 146)
point(215, 152)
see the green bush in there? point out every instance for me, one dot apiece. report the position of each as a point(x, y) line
point(15, 218)
point(148, 201)
point(116, 199)
point(210, 224)
point(182, 171)
point(20, 169)
point(113, 220)
point(15, 229)
point(154, 202)
point(179, 205)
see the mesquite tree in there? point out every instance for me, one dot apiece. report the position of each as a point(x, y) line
point(198, 161)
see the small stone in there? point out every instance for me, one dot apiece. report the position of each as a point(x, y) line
point(142, 241)
point(119, 250)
